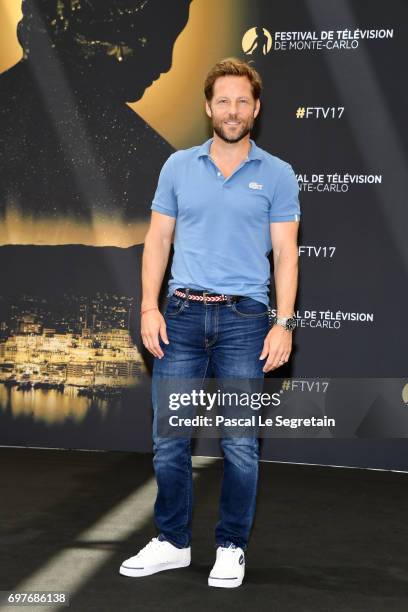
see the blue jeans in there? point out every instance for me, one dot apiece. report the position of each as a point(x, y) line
point(224, 341)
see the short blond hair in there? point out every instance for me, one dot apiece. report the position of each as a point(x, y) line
point(232, 66)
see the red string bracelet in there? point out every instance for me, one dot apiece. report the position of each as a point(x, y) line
point(147, 310)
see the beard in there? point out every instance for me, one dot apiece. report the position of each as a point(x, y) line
point(245, 128)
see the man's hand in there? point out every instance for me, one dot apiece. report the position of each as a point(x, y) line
point(277, 347)
point(153, 324)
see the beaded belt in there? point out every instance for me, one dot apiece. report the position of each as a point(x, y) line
point(205, 296)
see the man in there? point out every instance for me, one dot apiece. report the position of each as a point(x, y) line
point(228, 201)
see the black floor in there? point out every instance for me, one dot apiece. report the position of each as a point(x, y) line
point(325, 539)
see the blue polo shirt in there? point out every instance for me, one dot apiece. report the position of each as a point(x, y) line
point(222, 234)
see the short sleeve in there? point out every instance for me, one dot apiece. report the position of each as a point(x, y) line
point(285, 203)
point(165, 200)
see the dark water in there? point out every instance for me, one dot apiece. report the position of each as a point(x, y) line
point(50, 418)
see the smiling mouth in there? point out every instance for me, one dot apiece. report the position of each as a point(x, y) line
point(232, 122)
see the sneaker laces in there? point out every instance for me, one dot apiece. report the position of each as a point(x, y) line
point(231, 546)
point(154, 543)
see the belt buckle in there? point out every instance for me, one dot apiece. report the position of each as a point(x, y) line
point(205, 293)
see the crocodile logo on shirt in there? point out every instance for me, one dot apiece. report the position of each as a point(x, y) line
point(255, 185)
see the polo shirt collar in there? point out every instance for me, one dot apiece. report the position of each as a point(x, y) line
point(204, 150)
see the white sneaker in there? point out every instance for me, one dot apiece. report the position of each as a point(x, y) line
point(156, 556)
point(229, 567)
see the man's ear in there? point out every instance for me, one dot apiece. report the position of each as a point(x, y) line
point(208, 109)
point(257, 108)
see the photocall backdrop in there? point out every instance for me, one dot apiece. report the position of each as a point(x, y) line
point(93, 99)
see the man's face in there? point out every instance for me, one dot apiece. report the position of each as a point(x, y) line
point(232, 108)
